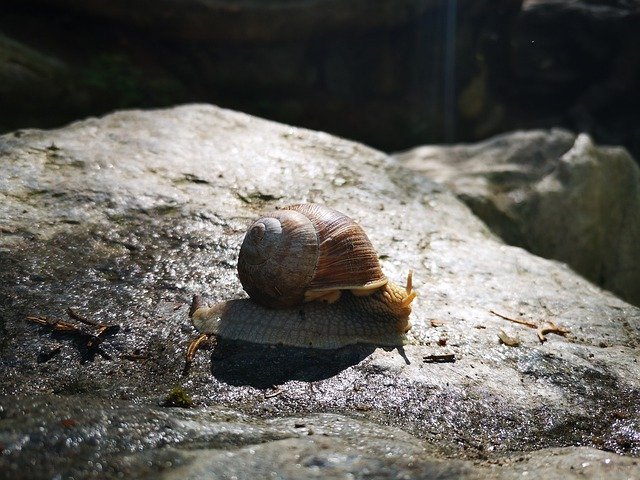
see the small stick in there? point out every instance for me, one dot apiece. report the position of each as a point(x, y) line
point(276, 391)
point(549, 327)
point(76, 316)
point(54, 323)
point(515, 320)
point(444, 358)
point(64, 326)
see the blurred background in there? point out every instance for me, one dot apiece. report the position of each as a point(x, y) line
point(390, 73)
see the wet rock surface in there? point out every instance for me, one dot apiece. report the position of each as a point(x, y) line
point(554, 193)
point(124, 218)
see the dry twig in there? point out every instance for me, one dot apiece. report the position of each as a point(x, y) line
point(443, 358)
point(548, 327)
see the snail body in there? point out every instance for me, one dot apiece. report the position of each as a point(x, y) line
point(314, 280)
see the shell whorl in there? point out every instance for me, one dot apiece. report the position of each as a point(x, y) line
point(278, 256)
point(290, 253)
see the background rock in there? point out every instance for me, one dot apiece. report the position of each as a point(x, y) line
point(45, 81)
point(553, 193)
point(250, 21)
point(392, 73)
point(125, 217)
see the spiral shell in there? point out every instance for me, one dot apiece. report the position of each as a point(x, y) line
point(307, 252)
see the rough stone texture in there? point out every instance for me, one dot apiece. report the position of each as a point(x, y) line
point(553, 193)
point(126, 216)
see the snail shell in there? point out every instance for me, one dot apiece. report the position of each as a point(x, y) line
point(307, 252)
point(314, 281)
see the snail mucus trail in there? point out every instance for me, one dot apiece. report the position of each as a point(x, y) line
point(314, 280)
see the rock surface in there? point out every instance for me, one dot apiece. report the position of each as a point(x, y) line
point(125, 217)
point(555, 194)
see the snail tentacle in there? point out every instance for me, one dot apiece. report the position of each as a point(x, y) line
point(411, 294)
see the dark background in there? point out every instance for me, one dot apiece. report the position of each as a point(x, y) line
point(390, 73)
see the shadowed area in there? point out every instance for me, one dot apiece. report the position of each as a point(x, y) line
point(264, 366)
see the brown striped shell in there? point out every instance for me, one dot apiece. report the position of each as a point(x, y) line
point(307, 252)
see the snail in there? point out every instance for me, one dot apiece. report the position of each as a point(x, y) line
point(313, 280)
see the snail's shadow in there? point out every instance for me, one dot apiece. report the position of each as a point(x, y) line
point(263, 366)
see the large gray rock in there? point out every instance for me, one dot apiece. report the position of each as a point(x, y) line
point(125, 217)
point(553, 193)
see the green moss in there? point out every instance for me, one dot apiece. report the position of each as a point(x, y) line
point(178, 397)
